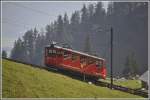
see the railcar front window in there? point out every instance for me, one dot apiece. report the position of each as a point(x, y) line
point(54, 51)
point(51, 52)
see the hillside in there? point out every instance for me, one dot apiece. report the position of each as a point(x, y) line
point(23, 81)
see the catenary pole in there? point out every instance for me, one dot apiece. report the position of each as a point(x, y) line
point(111, 54)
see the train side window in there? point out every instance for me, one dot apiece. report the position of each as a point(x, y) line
point(82, 59)
point(91, 61)
point(59, 53)
point(74, 57)
point(99, 64)
point(66, 54)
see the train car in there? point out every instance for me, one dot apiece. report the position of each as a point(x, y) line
point(72, 60)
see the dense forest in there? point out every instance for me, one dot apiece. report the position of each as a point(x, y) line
point(88, 30)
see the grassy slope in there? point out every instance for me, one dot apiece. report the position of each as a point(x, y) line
point(20, 80)
point(134, 84)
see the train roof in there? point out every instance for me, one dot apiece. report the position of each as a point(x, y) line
point(78, 52)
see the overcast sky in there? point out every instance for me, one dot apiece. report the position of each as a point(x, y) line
point(18, 17)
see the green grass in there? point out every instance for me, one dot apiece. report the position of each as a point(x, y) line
point(23, 81)
point(134, 84)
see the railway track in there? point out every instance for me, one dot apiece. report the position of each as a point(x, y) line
point(96, 82)
point(124, 89)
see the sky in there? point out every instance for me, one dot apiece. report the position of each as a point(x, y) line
point(18, 17)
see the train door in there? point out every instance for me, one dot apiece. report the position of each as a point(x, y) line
point(83, 61)
point(75, 61)
point(59, 56)
point(66, 57)
point(89, 68)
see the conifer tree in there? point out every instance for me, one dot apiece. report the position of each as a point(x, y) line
point(4, 54)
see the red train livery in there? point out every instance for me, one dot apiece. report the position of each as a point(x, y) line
point(71, 60)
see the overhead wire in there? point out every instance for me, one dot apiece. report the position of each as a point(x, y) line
point(32, 9)
point(15, 23)
point(22, 6)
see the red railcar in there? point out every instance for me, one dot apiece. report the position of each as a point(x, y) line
point(71, 60)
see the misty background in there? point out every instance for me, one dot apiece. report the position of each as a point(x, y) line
point(17, 17)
